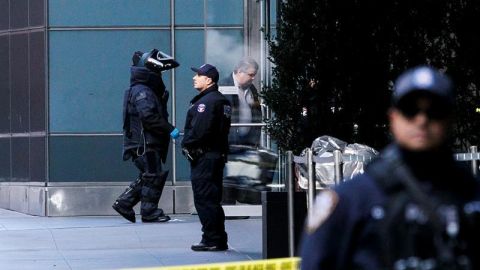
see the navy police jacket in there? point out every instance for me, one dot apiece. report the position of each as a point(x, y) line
point(353, 227)
point(145, 114)
point(208, 122)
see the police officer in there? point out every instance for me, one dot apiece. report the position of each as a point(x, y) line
point(415, 207)
point(147, 135)
point(205, 145)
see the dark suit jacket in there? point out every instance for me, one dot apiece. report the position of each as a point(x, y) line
point(252, 138)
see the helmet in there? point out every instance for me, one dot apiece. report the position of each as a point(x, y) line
point(155, 61)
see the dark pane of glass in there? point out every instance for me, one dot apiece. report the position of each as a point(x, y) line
point(20, 159)
point(37, 159)
point(109, 13)
point(37, 81)
point(19, 82)
point(87, 84)
point(224, 49)
point(18, 14)
point(4, 15)
point(221, 12)
point(5, 159)
point(81, 159)
point(183, 166)
point(37, 12)
point(4, 85)
point(189, 12)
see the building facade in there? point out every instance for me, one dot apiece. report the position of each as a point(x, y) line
point(64, 67)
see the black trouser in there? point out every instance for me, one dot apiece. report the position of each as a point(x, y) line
point(207, 185)
point(150, 162)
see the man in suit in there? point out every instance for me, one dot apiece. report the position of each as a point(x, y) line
point(245, 103)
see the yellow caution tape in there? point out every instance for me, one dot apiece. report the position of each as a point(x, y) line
point(270, 264)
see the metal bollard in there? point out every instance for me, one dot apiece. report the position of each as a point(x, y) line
point(473, 150)
point(290, 193)
point(338, 164)
point(311, 181)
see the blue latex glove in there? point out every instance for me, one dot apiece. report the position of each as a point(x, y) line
point(175, 133)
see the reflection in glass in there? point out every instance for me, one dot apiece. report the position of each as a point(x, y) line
point(86, 92)
point(189, 12)
point(224, 12)
point(108, 13)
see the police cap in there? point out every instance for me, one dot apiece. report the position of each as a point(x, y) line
point(207, 70)
point(424, 79)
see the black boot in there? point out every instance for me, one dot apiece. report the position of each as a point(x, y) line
point(128, 199)
point(150, 195)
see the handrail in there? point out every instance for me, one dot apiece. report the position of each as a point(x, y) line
point(338, 159)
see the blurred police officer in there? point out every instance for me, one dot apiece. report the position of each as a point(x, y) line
point(147, 135)
point(415, 207)
point(205, 145)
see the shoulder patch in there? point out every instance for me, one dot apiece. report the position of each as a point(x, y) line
point(201, 108)
point(227, 111)
point(140, 96)
point(323, 207)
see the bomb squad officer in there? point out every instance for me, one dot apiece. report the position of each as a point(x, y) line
point(147, 134)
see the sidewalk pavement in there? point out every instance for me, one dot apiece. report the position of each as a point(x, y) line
point(111, 242)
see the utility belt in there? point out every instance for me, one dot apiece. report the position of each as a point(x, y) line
point(193, 154)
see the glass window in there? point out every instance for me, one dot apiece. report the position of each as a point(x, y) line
point(100, 158)
point(4, 11)
point(183, 166)
point(4, 85)
point(109, 12)
point(19, 83)
point(37, 159)
point(189, 48)
point(224, 49)
point(273, 20)
point(20, 159)
point(189, 12)
point(4, 159)
point(87, 82)
point(37, 12)
point(222, 12)
point(273, 13)
point(37, 81)
point(18, 14)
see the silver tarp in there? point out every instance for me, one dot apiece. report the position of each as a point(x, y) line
point(354, 156)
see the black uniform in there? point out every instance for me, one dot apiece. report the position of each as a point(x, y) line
point(206, 139)
point(408, 211)
point(146, 139)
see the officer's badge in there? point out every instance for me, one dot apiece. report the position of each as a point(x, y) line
point(201, 108)
point(227, 111)
point(323, 207)
point(377, 212)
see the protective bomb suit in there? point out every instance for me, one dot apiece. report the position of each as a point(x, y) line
point(147, 135)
